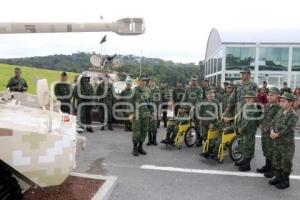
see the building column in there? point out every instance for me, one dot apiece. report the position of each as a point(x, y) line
point(256, 65)
point(223, 65)
point(290, 63)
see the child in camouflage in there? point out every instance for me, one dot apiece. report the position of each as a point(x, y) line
point(282, 133)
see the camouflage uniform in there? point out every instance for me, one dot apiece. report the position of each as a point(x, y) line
point(236, 100)
point(177, 95)
point(165, 96)
point(247, 125)
point(173, 127)
point(126, 93)
point(84, 93)
point(267, 143)
point(141, 117)
point(154, 98)
point(284, 145)
point(17, 84)
point(63, 93)
point(208, 110)
point(193, 95)
point(108, 100)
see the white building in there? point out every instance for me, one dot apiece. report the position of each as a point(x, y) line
point(272, 55)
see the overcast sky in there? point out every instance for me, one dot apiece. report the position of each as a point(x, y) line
point(175, 30)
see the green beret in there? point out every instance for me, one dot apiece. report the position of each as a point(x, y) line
point(274, 90)
point(245, 70)
point(288, 96)
point(250, 94)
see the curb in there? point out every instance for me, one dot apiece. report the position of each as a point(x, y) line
point(106, 189)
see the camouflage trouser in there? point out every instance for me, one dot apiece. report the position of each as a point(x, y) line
point(172, 131)
point(248, 143)
point(204, 130)
point(152, 130)
point(215, 144)
point(267, 144)
point(140, 128)
point(283, 157)
point(85, 115)
point(127, 123)
point(198, 128)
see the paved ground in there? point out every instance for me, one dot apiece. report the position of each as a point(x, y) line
point(109, 153)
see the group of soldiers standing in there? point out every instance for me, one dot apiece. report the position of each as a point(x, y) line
point(211, 107)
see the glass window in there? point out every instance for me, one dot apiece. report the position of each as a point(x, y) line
point(237, 57)
point(273, 59)
point(296, 59)
point(295, 81)
point(219, 64)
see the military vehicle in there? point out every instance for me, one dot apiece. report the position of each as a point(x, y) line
point(37, 140)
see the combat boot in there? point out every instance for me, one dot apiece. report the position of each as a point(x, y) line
point(275, 180)
point(154, 142)
point(265, 168)
point(141, 150)
point(239, 162)
point(89, 129)
point(284, 182)
point(270, 173)
point(246, 166)
point(149, 139)
point(135, 151)
point(110, 127)
point(199, 142)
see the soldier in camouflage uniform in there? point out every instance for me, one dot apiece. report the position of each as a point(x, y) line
point(63, 92)
point(126, 96)
point(177, 95)
point(17, 83)
point(193, 96)
point(165, 97)
point(107, 89)
point(140, 117)
point(282, 133)
point(247, 126)
point(270, 111)
point(209, 112)
point(205, 88)
point(84, 93)
point(236, 101)
point(154, 100)
point(228, 92)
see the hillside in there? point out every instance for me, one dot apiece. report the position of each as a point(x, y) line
point(30, 74)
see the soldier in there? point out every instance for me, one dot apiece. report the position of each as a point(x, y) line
point(107, 89)
point(247, 126)
point(285, 88)
point(154, 99)
point(226, 96)
point(270, 111)
point(140, 117)
point(126, 96)
point(84, 93)
point(282, 134)
point(173, 126)
point(63, 92)
point(177, 95)
point(209, 112)
point(17, 83)
point(236, 101)
point(164, 91)
point(205, 87)
point(193, 95)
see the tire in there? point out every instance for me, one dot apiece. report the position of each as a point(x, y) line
point(234, 148)
point(190, 136)
point(9, 187)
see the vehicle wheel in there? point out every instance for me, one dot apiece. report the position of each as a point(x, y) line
point(9, 187)
point(190, 136)
point(235, 152)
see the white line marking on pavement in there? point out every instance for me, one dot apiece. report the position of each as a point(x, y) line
point(206, 171)
point(259, 136)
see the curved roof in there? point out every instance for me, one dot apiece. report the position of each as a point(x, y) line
point(252, 36)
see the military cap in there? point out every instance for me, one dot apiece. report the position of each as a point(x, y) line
point(274, 90)
point(128, 81)
point(64, 74)
point(230, 85)
point(225, 83)
point(250, 94)
point(142, 78)
point(86, 74)
point(211, 90)
point(245, 70)
point(288, 96)
point(194, 78)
